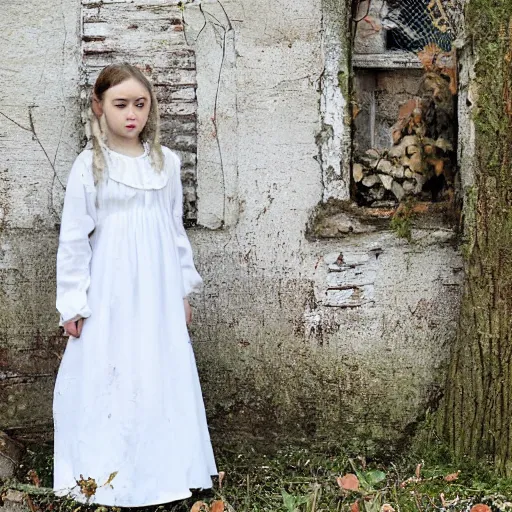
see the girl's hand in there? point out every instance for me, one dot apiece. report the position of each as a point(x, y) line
point(188, 311)
point(74, 327)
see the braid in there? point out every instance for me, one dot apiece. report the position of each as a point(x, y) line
point(151, 134)
point(98, 157)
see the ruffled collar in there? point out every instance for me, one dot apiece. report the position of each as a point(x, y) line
point(134, 171)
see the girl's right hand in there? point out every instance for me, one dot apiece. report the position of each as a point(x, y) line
point(74, 327)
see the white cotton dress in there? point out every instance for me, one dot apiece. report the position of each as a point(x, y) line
point(127, 397)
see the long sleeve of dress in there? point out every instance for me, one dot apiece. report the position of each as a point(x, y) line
point(74, 253)
point(191, 278)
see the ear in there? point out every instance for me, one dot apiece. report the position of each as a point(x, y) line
point(96, 106)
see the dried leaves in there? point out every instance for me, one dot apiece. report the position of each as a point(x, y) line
point(435, 60)
point(480, 508)
point(366, 484)
point(451, 477)
point(215, 506)
point(202, 506)
point(34, 478)
point(87, 487)
point(348, 482)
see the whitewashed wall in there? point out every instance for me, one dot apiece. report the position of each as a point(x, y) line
point(39, 115)
point(281, 353)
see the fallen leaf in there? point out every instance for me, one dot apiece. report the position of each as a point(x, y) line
point(30, 503)
point(217, 506)
point(451, 477)
point(428, 56)
point(387, 508)
point(222, 474)
point(34, 478)
point(200, 506)
point(480, 508)
point(354, 507)
point(349, 482)
point(406, 109)
point(111, 477)
point(87, 487)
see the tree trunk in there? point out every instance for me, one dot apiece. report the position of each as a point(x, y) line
point(476, 418)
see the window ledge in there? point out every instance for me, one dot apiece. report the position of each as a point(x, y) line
point(387, 60)
point(340, 219)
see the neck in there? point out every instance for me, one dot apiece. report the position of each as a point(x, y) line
point(126, 147)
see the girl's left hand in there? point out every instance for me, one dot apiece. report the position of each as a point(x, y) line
point(188, 311)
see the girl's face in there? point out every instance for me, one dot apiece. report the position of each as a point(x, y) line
point(126, 109)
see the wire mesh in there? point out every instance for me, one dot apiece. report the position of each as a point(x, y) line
point(413, 24)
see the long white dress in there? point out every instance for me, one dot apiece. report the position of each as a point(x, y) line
point(127, 397)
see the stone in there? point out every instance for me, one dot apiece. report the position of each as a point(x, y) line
point(400, 149)
point(371, 180)
point(386, 181)
point(397, 190)
point(408, 173)
point(377, 193)
point(443, 144)
point(357, 172)
point(10, 456)
point(420, 181)
point(409, 186)
point(14, 501)
point(397, 171)
point(384, 166)
point(412, 150)
point(414, 162)
point(397, 151)
point(383, 204)
point(367, 162)
point(410, 140)
point(338, 226)
point(373, 154)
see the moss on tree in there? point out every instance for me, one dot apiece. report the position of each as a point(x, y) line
point(477, 415)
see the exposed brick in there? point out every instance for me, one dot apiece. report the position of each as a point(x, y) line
point(160, 50)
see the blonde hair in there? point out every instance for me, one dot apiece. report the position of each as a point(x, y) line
point(111, 76)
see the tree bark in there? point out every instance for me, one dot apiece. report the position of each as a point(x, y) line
point(476, 418)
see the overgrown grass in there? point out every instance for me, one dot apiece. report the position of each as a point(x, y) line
point(308, 480)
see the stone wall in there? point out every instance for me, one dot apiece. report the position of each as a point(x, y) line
point(39, 120)
point(151, 36)
point(336, 334)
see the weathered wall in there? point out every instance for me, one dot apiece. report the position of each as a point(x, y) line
point(292, 340)
point(289, 343)
point(38, 142)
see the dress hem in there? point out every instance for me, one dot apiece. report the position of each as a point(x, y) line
point(158, 501)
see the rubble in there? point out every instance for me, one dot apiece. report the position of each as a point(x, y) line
point(405, 168)
point(10, 456)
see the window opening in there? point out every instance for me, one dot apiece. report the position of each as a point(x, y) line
point(404, 92)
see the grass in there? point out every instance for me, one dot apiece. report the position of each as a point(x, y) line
point(308, 480)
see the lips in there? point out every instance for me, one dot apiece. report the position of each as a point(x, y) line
point(130, 126)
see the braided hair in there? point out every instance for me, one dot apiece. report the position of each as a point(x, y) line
point(111, 76)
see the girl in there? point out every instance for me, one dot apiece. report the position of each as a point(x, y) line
point(127, 401)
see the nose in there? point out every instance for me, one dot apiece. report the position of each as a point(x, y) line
point(131, 113)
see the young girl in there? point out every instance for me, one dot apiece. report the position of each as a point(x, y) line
point(127, 400)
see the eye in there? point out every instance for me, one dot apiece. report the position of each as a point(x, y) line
point(120, 105)
point(140, 105)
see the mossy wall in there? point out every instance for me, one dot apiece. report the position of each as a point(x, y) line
point(298, 338)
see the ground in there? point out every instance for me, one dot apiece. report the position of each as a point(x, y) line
point(324, 479)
